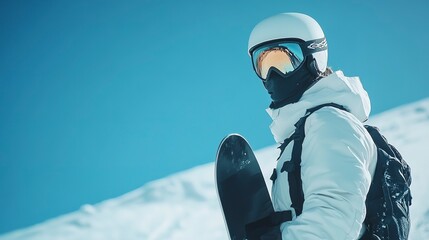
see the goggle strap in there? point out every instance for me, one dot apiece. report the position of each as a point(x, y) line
point(314, 46)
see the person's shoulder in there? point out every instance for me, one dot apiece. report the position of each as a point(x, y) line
point(332, 122)
point(331, 116)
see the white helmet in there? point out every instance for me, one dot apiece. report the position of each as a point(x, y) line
point(290, 26)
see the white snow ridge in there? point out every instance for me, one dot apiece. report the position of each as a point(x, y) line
point(185, 205)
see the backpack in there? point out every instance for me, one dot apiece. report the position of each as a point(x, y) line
point(389, 196)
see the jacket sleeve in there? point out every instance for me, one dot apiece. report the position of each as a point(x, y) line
point(335, 172)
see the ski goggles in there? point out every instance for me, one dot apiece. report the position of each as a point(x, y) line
point(285, 55)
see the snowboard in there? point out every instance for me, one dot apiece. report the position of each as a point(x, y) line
point(241, 187)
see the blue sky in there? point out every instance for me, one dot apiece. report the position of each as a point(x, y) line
point(99, 97)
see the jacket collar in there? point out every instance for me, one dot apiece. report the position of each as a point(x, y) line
point(336, 88)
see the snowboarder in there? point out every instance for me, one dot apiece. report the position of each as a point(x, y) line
point(289, 53)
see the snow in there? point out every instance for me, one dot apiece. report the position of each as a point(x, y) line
point(185, 205)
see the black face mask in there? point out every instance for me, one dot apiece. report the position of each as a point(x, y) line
point(286, 89)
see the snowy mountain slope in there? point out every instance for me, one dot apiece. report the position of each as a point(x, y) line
point(185, 205)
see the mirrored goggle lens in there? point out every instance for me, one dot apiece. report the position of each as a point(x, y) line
point(285, 57)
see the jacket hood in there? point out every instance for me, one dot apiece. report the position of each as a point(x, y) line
point(336, 88)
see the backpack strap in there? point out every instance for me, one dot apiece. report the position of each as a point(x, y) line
point(293, 167)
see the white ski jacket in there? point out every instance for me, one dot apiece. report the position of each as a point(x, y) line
point(338, 160)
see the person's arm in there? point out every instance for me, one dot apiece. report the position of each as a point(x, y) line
point(335, 177)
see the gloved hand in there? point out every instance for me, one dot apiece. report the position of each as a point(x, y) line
point(268, 228)
point(266, 233)
point(273, 234)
